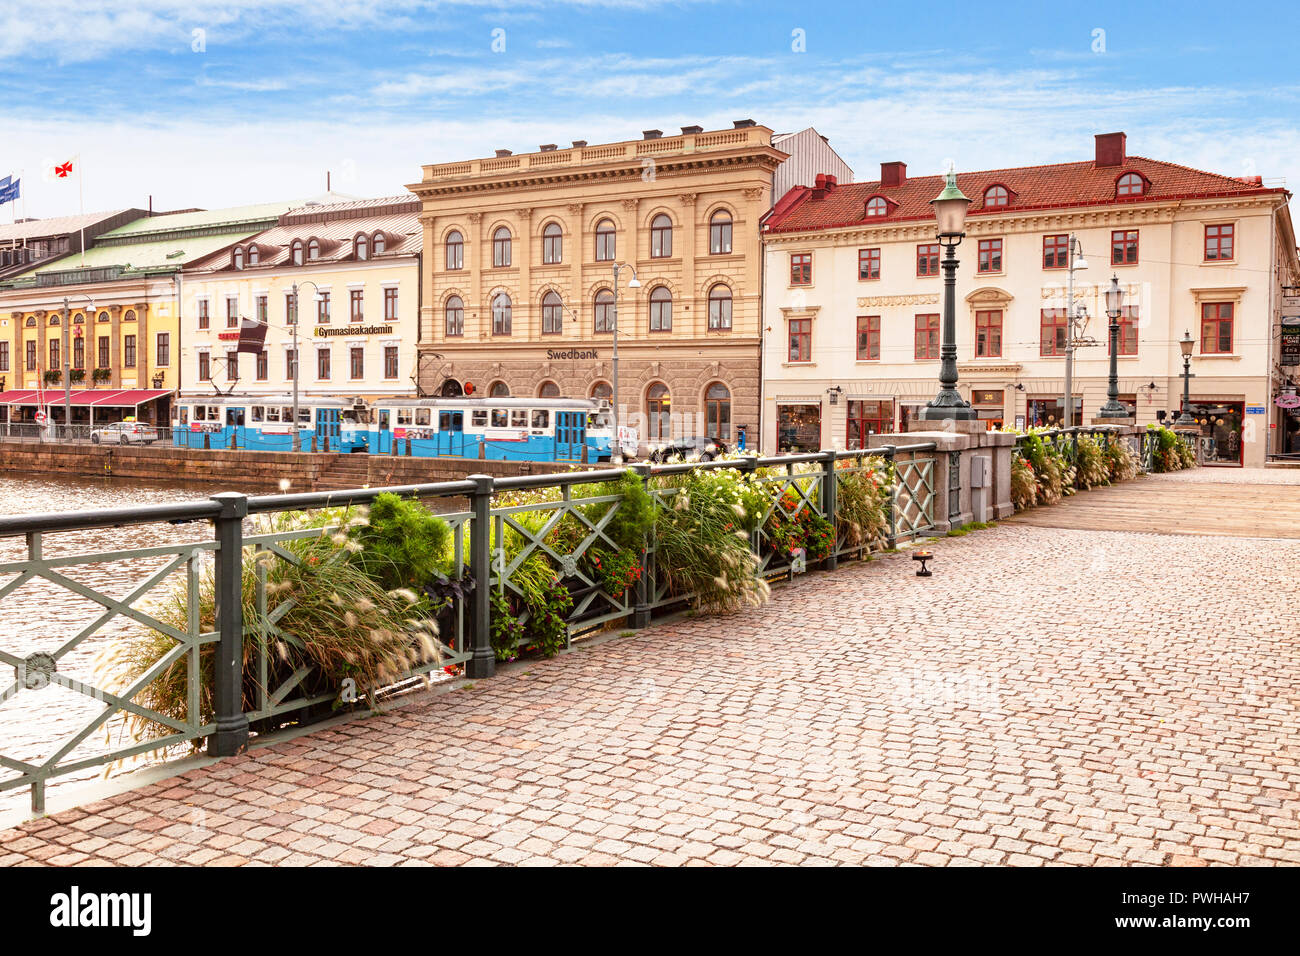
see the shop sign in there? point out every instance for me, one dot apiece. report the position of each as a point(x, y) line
point(323, 331)
point(1291, 340)
point(1287, 401)
point(557, 355)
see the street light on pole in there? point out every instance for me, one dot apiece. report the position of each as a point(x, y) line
point(1073, 264)
point(1186, 343)
point(950, 214)
point(1114, 306)
point(67, 362)
point(297, 358)
point(616, 455)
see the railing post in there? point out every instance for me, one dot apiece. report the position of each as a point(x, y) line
point(828, 505)
point(641, 613)
point(483, 663)
point(231, 734)
point(887, 452)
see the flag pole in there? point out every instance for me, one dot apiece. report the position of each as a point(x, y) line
point(81, 203)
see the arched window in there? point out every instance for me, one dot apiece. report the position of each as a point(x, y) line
point(361, 247)
point(996, 197)
point(452, 389)
point(239, 257)
point(78, 319)
point(877, 206)
point(552, 244)
point(501, 314)
point(548, 390)
point(378, 243)
point(103, 317)
point(717, 410)
point(604, 311)
point(313, 250)
point(129, 316)
point(1130, 184)
point(552, 314)
point(661, 237)
point(254, 255)
point(661, 310)
point(602, 390)
point(455, 316)
point(658, 407)
point(295, 252)
point(499, 390)
point(720, 233)
point(31, 319)
point(455, 250)
point(606, 243)
point(719, 308)
point(501, 247)
point(54, 318)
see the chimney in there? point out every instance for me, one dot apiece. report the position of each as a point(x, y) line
point(1110, 149)
point(579, 143)
point(893, 174)
point(819, 187)
point(652, 134)
point(831, 182)
point(692, 129)
point(503, 152)
point(547, 147)
point(743, 124)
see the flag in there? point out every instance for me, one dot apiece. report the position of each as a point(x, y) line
point(9, 190)
point(62, 170)
point(252, 335)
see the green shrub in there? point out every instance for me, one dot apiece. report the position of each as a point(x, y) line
point(1091, 462)
point(862, 501)
point(1024, 483)
point(403, 544)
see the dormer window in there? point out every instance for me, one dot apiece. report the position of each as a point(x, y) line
point(295, 252)
point(361, 247)
point(876, 206)
point(995, 197)
point(239, 257)
point(377, 243)
point(253, 255)
point(1130, 184)
point(313, 250)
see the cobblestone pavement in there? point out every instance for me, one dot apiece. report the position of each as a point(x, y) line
point(1047, 697)
point(1227, 475)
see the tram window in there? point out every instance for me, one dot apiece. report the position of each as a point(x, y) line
point(519, 418)
point(304, 416)
point(214, 413)
point(404, 416)
point(185, 414)
point(273, 413)
point(478, 418)
point(500, 418)
point(541, 418)
point(423, 416)
point(257, 413)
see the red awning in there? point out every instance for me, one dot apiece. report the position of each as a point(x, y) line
point(82, 397)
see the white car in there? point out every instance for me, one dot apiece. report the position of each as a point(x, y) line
point(124, 433)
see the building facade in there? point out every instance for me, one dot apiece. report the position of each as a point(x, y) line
point(519, 295)
point(340, 280)
point(853, 299)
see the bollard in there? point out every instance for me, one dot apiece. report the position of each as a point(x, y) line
point(231, 733)
point(408, 446)
point(207, 441)
point(483, 663)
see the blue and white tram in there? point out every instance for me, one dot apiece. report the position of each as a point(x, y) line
point(265, 423)
point(522, 429)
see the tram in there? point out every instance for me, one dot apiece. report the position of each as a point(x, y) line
point(265, 422)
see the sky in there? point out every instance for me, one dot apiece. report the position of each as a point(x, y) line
point(210, 103)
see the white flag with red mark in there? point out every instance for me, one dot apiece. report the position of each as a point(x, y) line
point(62, 170)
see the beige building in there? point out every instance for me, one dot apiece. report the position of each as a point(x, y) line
point(853, 300)
point(519, 295)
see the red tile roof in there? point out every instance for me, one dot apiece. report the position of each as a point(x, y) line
point(1033, 187)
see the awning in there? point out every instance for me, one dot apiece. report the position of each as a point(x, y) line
point(85, 397)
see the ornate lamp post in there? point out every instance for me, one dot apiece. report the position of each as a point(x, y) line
point(1186, 343)
point(616, 453)
point(1114, 306)
point(950, 214)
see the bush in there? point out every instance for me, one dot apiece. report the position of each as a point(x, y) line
point(1091, 463)
point(1121, 462)
point(1024, 483)
point(862, 501)
point(403, 544)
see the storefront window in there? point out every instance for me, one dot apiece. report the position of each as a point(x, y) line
point(1048, 411)
point(866, 419)
point(799, 427)
point(988, 407)
point(1220, 422)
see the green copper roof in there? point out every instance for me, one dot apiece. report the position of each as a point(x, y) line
point(206, 218)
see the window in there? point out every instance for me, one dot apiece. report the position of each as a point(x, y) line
point(254, 255)
point(990, 255)
point(79, 353)
point(868, 263)
point(988, 334)
point(1216, 328)
point(55, 363)
point(661, 237)
point(661, 310)
point(239, 257)
point(658, 406)
point(290, 309)
point(205, 315)
point(605, 241)
point(800, 340)
point(927, 336)
point(1124, 247)
point(205, 367)
point(868, 338)
point(390, 361)
point(927, 259)
point(548, 390)
point(996, 197)
point(361, 247)
point(290, 357)
point(876, 206)
point(4, 356)
point(717, 411)
point(602, 390)
point(232, 312)
point(232, 365)
point(541, 418)
point(719, 308)
point(1218, 242)
point(501, 314)
point(378, 243)
point(263, 369)
point(323, 308)
point(501, 247)
point(866, 419)
point(604, 311)
point(552, 244)
point(356, 305)
point(500, 418)
point(801, 268)
point(313, 250)
point(552, 314)
point(31, 357)
point(295, 252)
point(390, 305)
point(103, 351)
point(357, 362)
point(1053, 332)
point(1130, 184)
point(163, 352)
point(1128, 331)
point(499, 390)
point(454, 313)
point(720, 233)
point(1056, 252)
point(128, 351)
point(323, 364)
point(455, 250)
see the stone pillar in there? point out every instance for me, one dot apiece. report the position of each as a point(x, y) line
point(142, 345)
point(475, 304)
point(522, 306)
point(690, 294)
point(115, 345)
point(42, 349)
point(582, 327)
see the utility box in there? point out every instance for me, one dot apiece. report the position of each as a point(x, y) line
point(981, 478)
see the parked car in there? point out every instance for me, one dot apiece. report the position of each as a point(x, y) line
point(124, 433)
point(706, 449)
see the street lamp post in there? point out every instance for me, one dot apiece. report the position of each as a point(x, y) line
point(297, 358)
point(1073, 265)
point(67, 363)
point(616, 454)
point(950, 214)
point(1186, 343)
point(1114, 305)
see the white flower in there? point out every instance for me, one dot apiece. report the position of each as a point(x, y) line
point(284, 484)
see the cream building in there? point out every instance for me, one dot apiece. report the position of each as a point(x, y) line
point(853, 299)
point(356, 269)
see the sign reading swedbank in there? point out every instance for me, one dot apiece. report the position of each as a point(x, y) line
point(557, 354)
